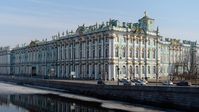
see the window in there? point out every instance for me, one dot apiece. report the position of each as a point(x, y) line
point(88, 52)
point(124, 70)
point(74, 52)
point(100, 54)
point(143, 53)
point(106, 39)
point(93, 69)
point(99, 69)
point(106, 51)
point(149, 42)
point(87, 69)
point(99, 41)
point(143, 41)
point(69, 53)
point(124, 38)
point(154, 41)
point(131, 40)
point(106, 69)
point(143, 70)
point(154, 53)
point(117, 38)
point(154, 70)
point(137, 41)
point(137, 52)
point(149, 53)
point(149, 70)
point(116, 70)
point(93, 51)
point(131, 70)
point(131, 52)
point(80, 51)
point(137, 71)
point(124, 52)
point(117, 52)
point(80, 69)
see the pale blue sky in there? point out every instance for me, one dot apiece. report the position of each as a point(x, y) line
point(24, 20)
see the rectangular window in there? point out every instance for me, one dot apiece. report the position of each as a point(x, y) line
point(149, 70)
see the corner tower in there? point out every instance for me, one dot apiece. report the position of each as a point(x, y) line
point(146, 23)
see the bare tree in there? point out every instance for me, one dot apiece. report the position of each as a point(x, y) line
point(190, 66)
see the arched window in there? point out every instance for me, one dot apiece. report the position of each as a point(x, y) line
point(93, 51)
point(149, 41)
point(137, 41)
point(131, 52)
point(154, 53)
point(106, 52)
point(137, 70)
point(149, 52)
point(149, 70)
point(124, 38)
point(143, 53)
point(116, 70)
point(100, 54)
point(117, 38)
point(131, 40)
point(137, 52)
point(143, 70)
point(131, 70)
point(124, 52)
point(87, 69)
point(93, 69)
point(124, 70)
point(116, 51)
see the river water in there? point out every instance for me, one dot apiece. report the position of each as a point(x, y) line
point(14, 98)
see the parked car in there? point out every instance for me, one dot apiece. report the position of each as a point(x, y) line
point(100, 82)
point(138, 82)
point(183, 83)
point(168, 82)
point(125, 82)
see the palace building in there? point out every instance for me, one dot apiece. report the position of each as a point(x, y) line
point(109, 51)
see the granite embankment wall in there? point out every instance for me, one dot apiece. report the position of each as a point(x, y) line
point(185, 98)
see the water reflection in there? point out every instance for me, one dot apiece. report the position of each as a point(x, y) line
point(48, 103)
